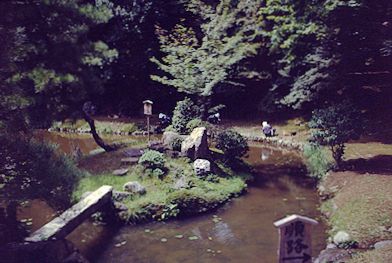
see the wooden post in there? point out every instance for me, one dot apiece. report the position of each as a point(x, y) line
point(295, 239)
point(148, 129)
point(148, 112)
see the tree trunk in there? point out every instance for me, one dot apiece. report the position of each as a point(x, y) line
point(97, 138)
point(205, 104)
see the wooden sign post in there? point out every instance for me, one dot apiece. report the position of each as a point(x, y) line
point(148, 112)
point(295, 239)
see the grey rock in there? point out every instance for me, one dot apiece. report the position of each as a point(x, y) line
point(120, 196)
point(134, 188)
point(383, 244)
point(333, 255)
point(120, 172)
point(129, 160)
point(181, 183)
point(120, 206)
point(341, 237)
point(201, 167)
point(195, 146)
point(169, 137)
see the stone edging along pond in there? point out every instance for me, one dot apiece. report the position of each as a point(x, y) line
point(331, 253)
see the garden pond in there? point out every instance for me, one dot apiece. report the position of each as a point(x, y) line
point(240, 231)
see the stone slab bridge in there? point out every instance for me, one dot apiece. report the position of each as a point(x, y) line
point(48, 244)
point(64, 224)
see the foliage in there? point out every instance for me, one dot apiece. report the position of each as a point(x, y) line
point(183, 113)
point(192, 124)
point(197, 66)
point(321, 50)
point(31, 170)
point(152, 160)
point(233, 144)
point(176, 143)
point(317, 160)
point(334, 126)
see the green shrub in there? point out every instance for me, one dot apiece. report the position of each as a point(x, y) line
point(184, 112)
point(33, 170)
point(195, 123)
point(233, 144)
point(334, 126)
point(176, 143)
point(317, 160)
point(152, 160)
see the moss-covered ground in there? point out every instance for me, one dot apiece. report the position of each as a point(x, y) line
point(162, 200)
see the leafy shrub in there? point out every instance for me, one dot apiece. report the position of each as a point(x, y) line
point(317, 161)
point(233, 144)
point(33, 170)
point(152, 160)
point(184, 112)
point(195, 123)
point(176, 143)
point(334, 126)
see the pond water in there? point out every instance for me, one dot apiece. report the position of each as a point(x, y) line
point(240, 231)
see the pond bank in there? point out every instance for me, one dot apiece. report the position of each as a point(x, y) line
point(356, 201)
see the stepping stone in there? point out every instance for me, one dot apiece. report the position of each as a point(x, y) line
point(134, 152)
point(130, 160)
point(120, 172)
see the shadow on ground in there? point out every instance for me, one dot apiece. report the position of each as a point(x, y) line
point(380, 164)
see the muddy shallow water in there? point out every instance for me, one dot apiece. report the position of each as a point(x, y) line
point(240, 231)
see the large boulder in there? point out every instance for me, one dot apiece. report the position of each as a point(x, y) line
point(195, 146)
point(134, 188)
point(202, 167)
point(169, 137)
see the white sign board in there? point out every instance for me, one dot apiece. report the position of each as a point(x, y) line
point(295, 240)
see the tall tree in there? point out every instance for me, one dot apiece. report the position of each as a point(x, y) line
point(52, 65)
point(320, 48)
point(198, 65)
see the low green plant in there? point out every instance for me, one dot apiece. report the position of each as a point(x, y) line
point(232, 144)
point(317, 160)
point(152, 160)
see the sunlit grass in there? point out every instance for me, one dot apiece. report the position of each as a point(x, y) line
point(161, 193)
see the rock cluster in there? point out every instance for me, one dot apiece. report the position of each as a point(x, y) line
point(195, 146)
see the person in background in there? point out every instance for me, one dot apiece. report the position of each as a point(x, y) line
point(267, 129)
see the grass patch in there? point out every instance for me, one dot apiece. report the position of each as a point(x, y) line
point(103, 127)
point(162, 200)
point(318, 160)
point(362, 206)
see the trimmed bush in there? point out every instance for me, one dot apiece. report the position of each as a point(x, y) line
point(334, 126)
point(195, 123)
point(233, 144)
point(152, 160)
point(184, 112)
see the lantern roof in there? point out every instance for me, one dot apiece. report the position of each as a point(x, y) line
point(148, 102)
